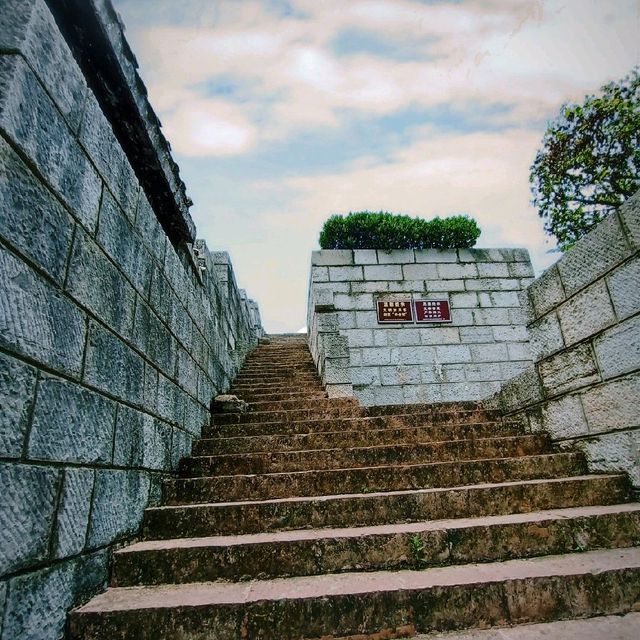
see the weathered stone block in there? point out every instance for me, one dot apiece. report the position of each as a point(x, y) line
point(71, 424)
point(332, 257)
point(365, 256)
point(547, 292)
point(32, 121)
point(118, 238)
point(36, 320)
point(519, 351)
point(419, 272)
point(359, 337)
point(153, 338)
point(379, 272)
point(129, 490)
point(343, 274)
point(96, 283)
point(156, 448)
point(623, 288)
point(521, 391)
point(180, 447)
point(521, 270)
point(491, 316)
point(170, 406)
point(494, 269)
point(569, 370)
point(563, 418)
point(457, 271)
point(586, 313)
point(356, 301)
point(112, 366)
point(614, 452)
point(453, 353)
point(367, 375)
point(403, 336)
point(320, 274)
point(436, 255)
point(434, 286)
point(376, 356)
point(513, 333)
point(486, 372)
point(494, 284)
point(31, 218)
point(366, 319)
point(613, 405)
point(412, 355)
point(128, 442)
point(345, 319)
point(618, 349)
point(464, 300)
point(526, 307)
point(488, 352)
point(396, 256)
point(17, 386)
point(440, 335)
point(38, 602)
point(499, 298)
point(27, 504)
point(366, 287)
point(27, 26)
point(545, 337)
point(73, 512)
point(593, 255)
point(475, 334)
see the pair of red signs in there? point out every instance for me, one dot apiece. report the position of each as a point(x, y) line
point(426, 311)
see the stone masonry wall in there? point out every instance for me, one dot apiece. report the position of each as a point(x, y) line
point(113, 337)
point(485, 344)
point(584, 322)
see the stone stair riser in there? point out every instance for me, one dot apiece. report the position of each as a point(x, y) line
point(306, 404)
point(375, 552)
point(353, 438)
point(364, 457)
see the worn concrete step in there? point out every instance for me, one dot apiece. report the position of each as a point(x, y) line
point(301, 364)
point(299, 404)
point(351, 438)
point(367, 509)
point(386, 603)
point(299, 354)
point(397, 546)
point(370, 456)
point(369, 479)
point(270, 387)
point(349, 410)
point(276, 379)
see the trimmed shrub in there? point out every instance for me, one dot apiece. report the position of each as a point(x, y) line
point(383, 230)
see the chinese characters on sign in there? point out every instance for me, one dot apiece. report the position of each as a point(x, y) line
point(402, 311)
point(432, 311)
point(395, 311)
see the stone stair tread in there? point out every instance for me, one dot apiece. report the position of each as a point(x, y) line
point(373, 447)
point(378, 494)
point(297, 535)
point(297, 588)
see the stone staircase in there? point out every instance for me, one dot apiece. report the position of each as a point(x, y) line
point(315, 518)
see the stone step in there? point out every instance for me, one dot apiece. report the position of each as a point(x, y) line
point(399, 546)
point(259, 367)
point(370, 456)
point(289, 387)
point(363, 510)
point(350, 438)
point(276, 379)
point(369, 479)
point(351, 410)
point(384, 602)
point(299, 404)
point(271, 396)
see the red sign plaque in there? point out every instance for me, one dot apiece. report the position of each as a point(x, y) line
point(395, 311)
point(432, 311)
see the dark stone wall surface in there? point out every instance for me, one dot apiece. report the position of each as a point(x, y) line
point(113, 338)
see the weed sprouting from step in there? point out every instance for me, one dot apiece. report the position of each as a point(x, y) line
point(417, 546)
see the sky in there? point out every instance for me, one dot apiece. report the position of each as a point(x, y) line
point(281, 113)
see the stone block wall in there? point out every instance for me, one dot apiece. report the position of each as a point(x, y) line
point(485, 344)
point(114, 337)
point(584, 322)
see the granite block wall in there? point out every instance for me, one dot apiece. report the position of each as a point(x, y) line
point(485, 344)
point(584, 321)
point(114, 336)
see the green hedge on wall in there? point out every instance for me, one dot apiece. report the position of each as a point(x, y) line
point(383, 230)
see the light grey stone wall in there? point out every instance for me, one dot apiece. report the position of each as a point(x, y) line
point(485, 344)
point(112, 340)
point(584, 322)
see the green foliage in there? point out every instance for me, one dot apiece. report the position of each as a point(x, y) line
point(589, 163)
point(383, 230)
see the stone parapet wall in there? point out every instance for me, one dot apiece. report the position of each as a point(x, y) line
point(584, 322)
point(485, 344)
point(113, 337)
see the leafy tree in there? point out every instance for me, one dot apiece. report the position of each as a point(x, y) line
point(589, 163)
